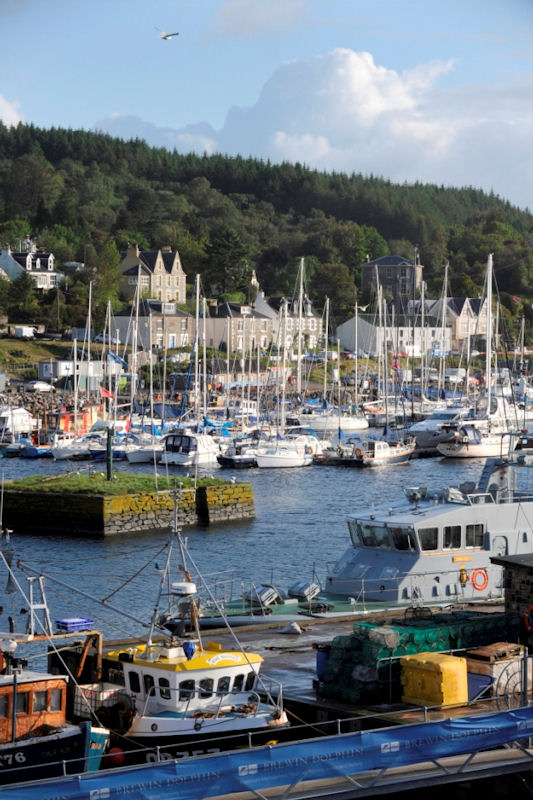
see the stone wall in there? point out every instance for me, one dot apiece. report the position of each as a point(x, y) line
point(106, 515)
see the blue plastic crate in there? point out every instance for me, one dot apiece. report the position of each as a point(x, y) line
point(70, 624)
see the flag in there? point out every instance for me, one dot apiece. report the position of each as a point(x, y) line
point(118, 359)
point(105, 392)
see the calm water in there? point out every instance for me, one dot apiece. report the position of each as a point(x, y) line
point(299, 528)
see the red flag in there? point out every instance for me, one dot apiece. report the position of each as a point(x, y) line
point(105, 392)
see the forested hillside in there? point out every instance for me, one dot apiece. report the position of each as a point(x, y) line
point(84, 196)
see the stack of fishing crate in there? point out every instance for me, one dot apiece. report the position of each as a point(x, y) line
point(365, 665)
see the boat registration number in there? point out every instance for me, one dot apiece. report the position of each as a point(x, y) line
point(8, 759)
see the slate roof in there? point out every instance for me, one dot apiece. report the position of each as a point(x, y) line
point(389, 261)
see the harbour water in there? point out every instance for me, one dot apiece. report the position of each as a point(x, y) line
point(300, 526)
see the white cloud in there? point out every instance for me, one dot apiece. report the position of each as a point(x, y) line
point(341, 111)
point(9, 112)
point(241, 18)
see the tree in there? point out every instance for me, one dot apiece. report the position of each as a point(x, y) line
point(106, 269)
point(22, 299)
point(227, 267)
point(334, 281)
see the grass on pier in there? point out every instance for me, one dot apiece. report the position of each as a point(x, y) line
point(97, 483)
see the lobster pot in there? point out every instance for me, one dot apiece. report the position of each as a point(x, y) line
point(91, 696)
point(434, 679)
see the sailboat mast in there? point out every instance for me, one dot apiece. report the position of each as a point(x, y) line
point(326, 337)
point(196, 364)
point(488, 348)
point(300, 326)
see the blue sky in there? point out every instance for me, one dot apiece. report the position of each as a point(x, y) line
point(419, 90)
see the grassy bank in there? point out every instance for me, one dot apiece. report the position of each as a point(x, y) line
point(96, 483)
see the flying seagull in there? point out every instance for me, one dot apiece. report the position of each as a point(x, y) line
point(164, 35)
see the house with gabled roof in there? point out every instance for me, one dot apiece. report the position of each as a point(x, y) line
point(160, 324)
point(288, 319)
point(159, 273)
point(241, 327)
point(466, 315)
point(38, 264)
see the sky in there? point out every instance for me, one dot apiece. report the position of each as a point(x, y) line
point(436, 91)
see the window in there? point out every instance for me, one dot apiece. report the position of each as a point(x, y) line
point(4, 705)
point(56, 699)
point(39, 701)
point(186, 689)
point(22, 702)
point(452, 537)
point(250, 682)
point(474, 535)
point(355, 533)
point(429, 538)
point(237, 683)
point(403, 538)
point(206, 687)
point(135, 683)
point(164, 688)
point(148, 682)
point(223, 685)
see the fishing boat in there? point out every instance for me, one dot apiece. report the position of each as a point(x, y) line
point(176, 692)
point(435, 546)
point(36, 741)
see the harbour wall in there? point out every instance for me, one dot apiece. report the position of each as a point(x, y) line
point(107, 515)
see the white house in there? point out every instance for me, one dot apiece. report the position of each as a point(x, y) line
point(39, 265)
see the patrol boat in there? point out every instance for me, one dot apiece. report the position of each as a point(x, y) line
point(435, 547)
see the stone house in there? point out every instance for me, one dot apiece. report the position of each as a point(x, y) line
point(159, 323)
point(399, 277)
point(288, 321)
point(159, 271)
point(240, 327)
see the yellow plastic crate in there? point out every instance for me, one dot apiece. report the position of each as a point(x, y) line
point(434, 679)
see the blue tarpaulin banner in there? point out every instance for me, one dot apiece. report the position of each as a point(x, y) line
point(278, 765)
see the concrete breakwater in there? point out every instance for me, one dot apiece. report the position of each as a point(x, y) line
point(102, 515)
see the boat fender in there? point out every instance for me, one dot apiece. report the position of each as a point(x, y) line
point(464, 577)
point(528, 619)
point(480, 580)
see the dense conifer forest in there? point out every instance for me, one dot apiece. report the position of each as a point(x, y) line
point(84, 196)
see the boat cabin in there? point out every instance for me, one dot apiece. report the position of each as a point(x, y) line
point(34, 700)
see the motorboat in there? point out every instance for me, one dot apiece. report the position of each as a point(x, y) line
point(377, 453)
point(435, 546)
point(187, 448)
point(429, 432)
point(283, 453)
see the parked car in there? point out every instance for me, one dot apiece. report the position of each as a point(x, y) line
point(105, 338)
point(38, 386)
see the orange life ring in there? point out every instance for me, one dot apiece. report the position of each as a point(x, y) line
point(480, 573)
point(528, 619)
